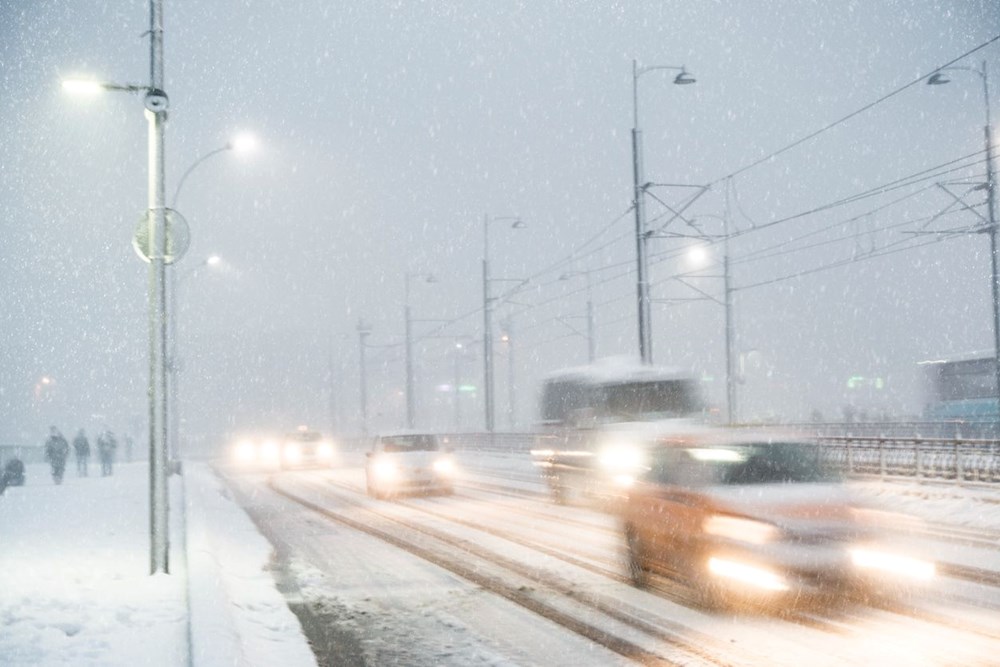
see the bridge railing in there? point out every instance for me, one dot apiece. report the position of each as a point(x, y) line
point(898, 456)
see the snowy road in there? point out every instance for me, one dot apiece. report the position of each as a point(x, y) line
point(498, 575)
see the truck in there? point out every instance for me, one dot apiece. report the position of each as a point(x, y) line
point(598, 420)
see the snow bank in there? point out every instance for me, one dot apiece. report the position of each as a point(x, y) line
point(74, 575)
point(238, 617)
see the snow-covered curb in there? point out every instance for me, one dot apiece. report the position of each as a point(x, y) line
point(238, 617)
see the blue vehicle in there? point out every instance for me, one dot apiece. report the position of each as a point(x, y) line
point(962, 389)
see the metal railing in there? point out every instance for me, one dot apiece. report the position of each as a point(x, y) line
point(901, 456)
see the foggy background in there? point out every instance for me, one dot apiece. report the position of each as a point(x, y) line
point(387, 131)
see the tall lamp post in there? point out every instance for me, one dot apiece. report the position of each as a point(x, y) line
point(241, 144)
point(408, 321)
point(516, 223)
point(174, 363)
point(156, 103)
point(591, 341)
point(939, 78)
point(726, 303)
point(639, 181)
point(364, 330)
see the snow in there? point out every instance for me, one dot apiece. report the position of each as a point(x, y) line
point(76, 588)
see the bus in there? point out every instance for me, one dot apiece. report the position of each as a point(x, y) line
point(961, 388)
point(597, 419)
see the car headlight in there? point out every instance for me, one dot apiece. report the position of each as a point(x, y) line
point(620, 457)
point(245, 452)
point(747, 574)
point(293, 452)
point(325, 451)
point(444, 467)
point(742, 530)
point(384, 470)
point(890, 563)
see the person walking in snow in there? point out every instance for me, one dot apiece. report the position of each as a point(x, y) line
point(106, 446)
point(82, 448)
point(56, 453)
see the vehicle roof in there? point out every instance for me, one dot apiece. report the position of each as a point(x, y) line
point(618, 369)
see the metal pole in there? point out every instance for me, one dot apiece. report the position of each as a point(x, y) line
point(333, 390)
point(991, 206)
point(158, 429)
point(642, 282)
point(591, 341)
point(511, 389)
point(173, 368)
point(728, 292)
point(363, 331)
point(458, 384)
point(408, 322)
point(487, 330)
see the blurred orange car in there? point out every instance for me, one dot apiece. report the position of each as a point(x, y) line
point(755, 517)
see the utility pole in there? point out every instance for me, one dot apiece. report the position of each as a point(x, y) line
point(364, 330)
point(156, 107)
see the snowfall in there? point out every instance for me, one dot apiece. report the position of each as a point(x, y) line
point(75, 587)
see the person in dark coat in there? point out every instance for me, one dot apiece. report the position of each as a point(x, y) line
point(56, 453)
point(106, 446)
point(12, 475)
point(82, 448)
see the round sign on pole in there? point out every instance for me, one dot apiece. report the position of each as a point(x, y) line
point(178, 236)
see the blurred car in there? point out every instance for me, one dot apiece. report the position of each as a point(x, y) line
point(757, 519)
point(302, 448)
point(409, 463)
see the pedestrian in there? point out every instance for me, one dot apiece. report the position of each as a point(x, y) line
point(106, 446)
point(12, 475)
point(56, 453)
point(128, 448)
point(82, 448)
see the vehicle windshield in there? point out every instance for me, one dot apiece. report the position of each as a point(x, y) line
point(741, 465)
point(651, 400)
point(304, 436)
point(410, 443)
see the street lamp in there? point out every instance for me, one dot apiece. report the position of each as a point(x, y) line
point(156, 102)
point(939, 78)
point(642, 279)
point(364, 330)
point(408, 321)
point(241, 143)
point(174, 364)
point(591, 343)
point(698, 254)
point(516, 223)
point(508, 338)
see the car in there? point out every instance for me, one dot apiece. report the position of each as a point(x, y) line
point(757, 520)
point(301, 448)
point(409, 463)
point(304, 448)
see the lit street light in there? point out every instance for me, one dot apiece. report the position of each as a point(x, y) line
point(242, 143)
point(364, 330)
point(699, 255)
point(642, 279)
point(516, 223)
point(156, 102)
point(408, 322)
point(939, 78)
point(174, 361)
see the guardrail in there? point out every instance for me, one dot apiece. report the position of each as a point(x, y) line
point(955, 459)
point(920, 458)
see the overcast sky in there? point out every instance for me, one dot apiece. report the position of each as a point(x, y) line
point(387, 131)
